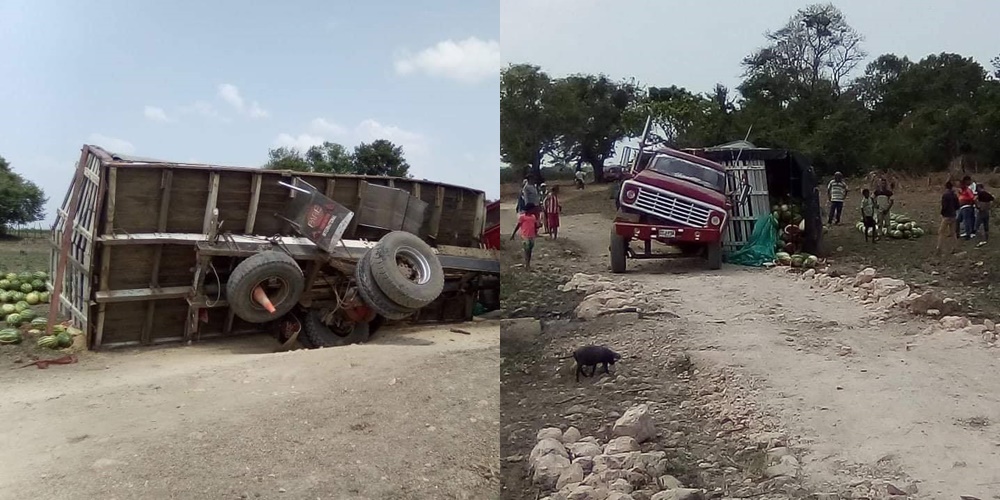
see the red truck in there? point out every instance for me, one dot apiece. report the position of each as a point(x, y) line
point(675, 199)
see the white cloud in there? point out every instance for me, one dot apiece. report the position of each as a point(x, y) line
point(204, 109)
point(318, 131)
point(301, 142)
point(155, 114)
point(327, 128)
point(468, 61)
point(415, 145)
point(231, 94)
point(111, 144)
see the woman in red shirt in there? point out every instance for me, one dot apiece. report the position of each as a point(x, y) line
point(551, 210)
point(966, 214)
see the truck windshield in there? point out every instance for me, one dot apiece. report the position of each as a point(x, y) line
point(689, 171)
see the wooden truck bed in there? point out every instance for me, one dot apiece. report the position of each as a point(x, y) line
point(137, 227)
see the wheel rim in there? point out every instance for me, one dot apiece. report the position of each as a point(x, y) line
point(276, 289)
point(413, 265)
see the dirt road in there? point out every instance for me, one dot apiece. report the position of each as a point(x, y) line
point(413, 414)
point(836, 375)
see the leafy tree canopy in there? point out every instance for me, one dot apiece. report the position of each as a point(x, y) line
point(381, 157)
point(21, 201)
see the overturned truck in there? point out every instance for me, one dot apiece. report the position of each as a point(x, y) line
point(147, 251)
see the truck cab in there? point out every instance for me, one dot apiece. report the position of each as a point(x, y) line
point(671, 198)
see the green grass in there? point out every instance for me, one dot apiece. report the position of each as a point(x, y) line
point(18, 255)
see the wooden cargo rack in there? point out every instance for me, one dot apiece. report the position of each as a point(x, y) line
point(130, 232)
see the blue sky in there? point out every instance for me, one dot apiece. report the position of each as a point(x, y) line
point(223, 81)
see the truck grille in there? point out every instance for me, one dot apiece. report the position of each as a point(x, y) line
point(665, 206)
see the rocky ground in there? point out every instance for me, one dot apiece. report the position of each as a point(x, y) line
point(759, 384)
point(410, 415)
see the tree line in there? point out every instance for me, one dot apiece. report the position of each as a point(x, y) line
point(21, 201)
point(804, 89)
point(380, 157)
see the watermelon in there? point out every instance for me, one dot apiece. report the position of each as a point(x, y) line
point(15, 284)
point(21, 306)
point(38, 286)
point(64, 339)
point(14, 319)
point(4, 296)
point(39, 322)
point(44, 297)
point(27, 288)
point(10, 336)
point(58, 329)
point(783, 258)
point(5, 284)
point(32, 298)
point(810, 262)
point(48, 342)
point(8, 309)
point(28, 315)
point(41, 275)
point(11, 276)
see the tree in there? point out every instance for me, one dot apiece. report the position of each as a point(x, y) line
point(381, 157)
point(287, 159)
point(330, 158)
point(527, 120)
point(815, 44)
point(21, 201)
point(591, 117)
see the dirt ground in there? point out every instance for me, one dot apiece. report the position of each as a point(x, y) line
point(411, 415)
point(861, 397)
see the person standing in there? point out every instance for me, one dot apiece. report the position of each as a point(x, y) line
point(836, 190)
point(883, 205)
point(528, 225)
point(984, 203)
point(580, 178)
point(552, 209)
point(543, 194)
point(520, 198)
point(966, 213)
point(868, 214)
point(531, 198)
point(949, 209)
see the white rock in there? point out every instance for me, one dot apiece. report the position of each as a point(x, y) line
point(547, 446)
point(954, 322)
point(621, 485)
point(668, 482)
point(549, 433)
point(809, 274)
point(584, 449)
point(617, 495)
point(604, 462)
point(635, 423)
point(547, 469)
point(865, 276)
point(583, 492)
point(933, 312)
point(622, 444)
point(677, 494)
point(572, 474)
point(989, 324)
point(896, 298)
point(788, 465)
point(883, 287)
point(571, 435)
point(585, 463)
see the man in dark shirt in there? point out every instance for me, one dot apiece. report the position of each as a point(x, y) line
point(949, 209)
point(984, 203)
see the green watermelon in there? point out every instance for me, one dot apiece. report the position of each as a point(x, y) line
point(21, 306)
point(5, 284)
point(40, 322)
point(14, 319)
point(48, 342)
point(11, 276)
point(58, 329)
point(27, 288)
point(38, 285)
point(32, 298)
point(10, 336)
point(64, 339)
point(15, 284)
point(8, 309)
point(4, 296)
point(28, 315)
point(16, 296)
point(44, 297)
point(41, 275)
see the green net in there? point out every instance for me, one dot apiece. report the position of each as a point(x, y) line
point(759, 249)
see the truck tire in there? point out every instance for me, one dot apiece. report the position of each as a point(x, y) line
point(618, 245)
point(373, 295)
point(256, 269)
point(315, 334)
point(407, 270)
point(714, 255)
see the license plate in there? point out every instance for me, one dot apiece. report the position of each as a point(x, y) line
point(667, 233)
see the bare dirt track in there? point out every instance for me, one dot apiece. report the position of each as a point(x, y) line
point(412, 414)
point(863, 396)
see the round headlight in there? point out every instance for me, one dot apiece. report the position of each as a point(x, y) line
point(715, 220)
point(631, 194)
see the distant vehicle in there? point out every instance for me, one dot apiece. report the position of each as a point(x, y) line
point(614, 173)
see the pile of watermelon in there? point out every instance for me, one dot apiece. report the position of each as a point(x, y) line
point(791, 227)
point(901, 227)
point(61, 338)
point(19, 292)
point(802, 260)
